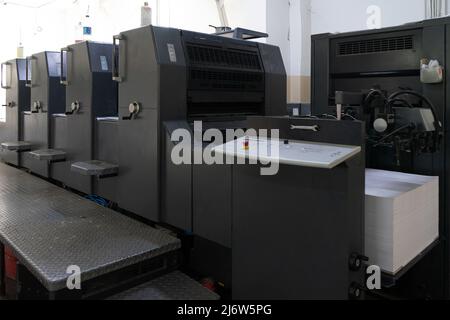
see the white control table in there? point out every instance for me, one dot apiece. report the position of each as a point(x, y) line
point(297, 153)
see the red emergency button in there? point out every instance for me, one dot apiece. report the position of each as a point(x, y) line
point(247, 144)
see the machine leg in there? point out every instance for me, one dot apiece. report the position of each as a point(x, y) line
point(2, 269)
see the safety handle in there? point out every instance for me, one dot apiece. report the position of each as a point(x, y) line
point(3, 85)
point(9, 105)
point(64, 79)
point(116, 59)
point(28, 68)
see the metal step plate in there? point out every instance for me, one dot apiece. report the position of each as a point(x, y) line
point(48, 155)
point(16, 146)
point(173, 286)
point(50, 229)
point(95, 168)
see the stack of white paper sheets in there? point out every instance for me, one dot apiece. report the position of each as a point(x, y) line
point(402, 217)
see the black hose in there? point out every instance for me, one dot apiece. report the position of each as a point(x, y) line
point(372, 93)
point(423, 98)
point(407, 126)
point(406, 103)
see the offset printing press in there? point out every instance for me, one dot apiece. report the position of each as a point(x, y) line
point(394, 81)
point(14, 77)
point(298, 233)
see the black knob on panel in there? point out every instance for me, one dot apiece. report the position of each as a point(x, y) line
point(74, 108)
point(355, 291)
point(356, 261)
point(134, 109)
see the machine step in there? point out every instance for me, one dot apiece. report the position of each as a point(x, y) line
point(173, 286)
point(19, 146)
point(95, 168)
point(48, 155)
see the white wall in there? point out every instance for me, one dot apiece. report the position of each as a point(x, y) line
point(350, 15)
point(248, 14)
point(278, 27)
point(288, 22)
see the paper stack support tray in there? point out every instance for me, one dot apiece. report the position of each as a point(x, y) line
point(48, 155)
point(95, 168)
point(18, 146)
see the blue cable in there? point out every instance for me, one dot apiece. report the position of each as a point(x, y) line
point(98, 200)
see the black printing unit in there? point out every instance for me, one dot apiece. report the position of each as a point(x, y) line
point(90, 94)
point(382, 77)
point(167, 79)
point(14, 79)
point(48, 97)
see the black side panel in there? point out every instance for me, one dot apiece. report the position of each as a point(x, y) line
point(138, 187)
point(156, 81)
point(11, 126)
point(80, 124)
point(91, 85)
point(446, 208)
point(36, 132)
point(172, 74)
point(176, 183)
point(107, 149)
point(212, 203)
point(420, 282)
point(58, 171)
point(275, 82)
point(104, 95)
point(19, 95)
point(36, 129)
point(320, 71)
point(287, 241)
point(57, 96)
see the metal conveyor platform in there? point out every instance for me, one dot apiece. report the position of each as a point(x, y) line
point(173, 286)
point(50, 229)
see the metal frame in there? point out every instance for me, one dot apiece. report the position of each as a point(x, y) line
point(29, 288)
point(2, 269)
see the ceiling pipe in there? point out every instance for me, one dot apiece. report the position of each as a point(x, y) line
point(222, 13)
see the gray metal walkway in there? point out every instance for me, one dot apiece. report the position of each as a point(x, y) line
point(50, 229)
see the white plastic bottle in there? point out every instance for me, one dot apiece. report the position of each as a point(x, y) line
point(146, 15)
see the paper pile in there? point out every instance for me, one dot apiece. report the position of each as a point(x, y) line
point(402, 217)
